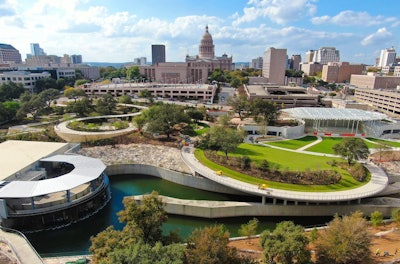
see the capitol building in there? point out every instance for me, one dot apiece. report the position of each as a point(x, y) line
point(195, 69)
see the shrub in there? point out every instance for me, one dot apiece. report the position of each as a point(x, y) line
point(396, 216)
point(245, 162)
point(376, 218)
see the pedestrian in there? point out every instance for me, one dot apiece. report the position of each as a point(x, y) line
point(377, 252)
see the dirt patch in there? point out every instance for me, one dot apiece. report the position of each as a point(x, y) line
point(388, 241)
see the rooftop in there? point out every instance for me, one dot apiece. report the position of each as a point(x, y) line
point(16, 155)
point(333, 114)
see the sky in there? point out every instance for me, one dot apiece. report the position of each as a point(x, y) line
point(121, 30)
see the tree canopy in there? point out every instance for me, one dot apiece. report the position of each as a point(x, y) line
point(223, 139)
point(352, 149)
point(10, 91)
point(162, 118)
point(106, 104)
point(142, 227)
point(286, 244)
point(210, 245)
point(346, 240)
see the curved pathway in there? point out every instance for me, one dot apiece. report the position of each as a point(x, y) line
point(71, 135)
point(377, 184)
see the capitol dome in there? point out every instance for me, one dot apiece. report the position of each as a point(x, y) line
point(206, 48)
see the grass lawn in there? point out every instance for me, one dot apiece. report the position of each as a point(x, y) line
point(201, 128)
point(326, 145)
point(293, 143)
point(386, 142)
point(285, 159)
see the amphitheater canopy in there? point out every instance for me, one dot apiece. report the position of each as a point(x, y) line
point(85, 170)
point(314, 113)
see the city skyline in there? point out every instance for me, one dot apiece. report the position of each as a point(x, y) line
point(119, 31)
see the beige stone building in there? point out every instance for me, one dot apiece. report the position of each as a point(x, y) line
point(195, 69)
point(373, 81)
point(199, 92)
point(386, 101)
point(311, 68)
point(339, 72)
point(274, 65)
point(283, 96)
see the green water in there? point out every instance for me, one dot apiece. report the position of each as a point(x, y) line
point(75, 239)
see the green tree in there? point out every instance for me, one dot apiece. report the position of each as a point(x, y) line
point(79, 82)
point(125, 99)
point(146, 254)
point(31, 104)
point(195, 114)
point(250, 229)
point(239, 104)
point(49, 95)
point(210, 246)
point(148, 216)
point(346, 240)
point(286, 244)
point(45, 83)
point(8, 111)
point(133, 73)
point(142, 223)
point(74, 93)
point(376, 218)
point(146, 94)
point(10, 91)
point(223, 139)
point(60, 83)
point(264, 111)
point(140, 122)
point(352, 149)
point(162, 118)
point(396, 216)
point(81, 107)
point(106, 104)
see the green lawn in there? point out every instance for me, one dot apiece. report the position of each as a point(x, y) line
point(386, 142)
point(285, 159)
point(201, 128)
point(293, 143)
point(326, 145)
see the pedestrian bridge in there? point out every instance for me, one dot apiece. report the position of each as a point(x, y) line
point(378, 182)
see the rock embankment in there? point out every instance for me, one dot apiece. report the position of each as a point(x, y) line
point(160, 156)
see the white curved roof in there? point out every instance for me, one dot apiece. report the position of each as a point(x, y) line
point(320, 113)
point(85, 170)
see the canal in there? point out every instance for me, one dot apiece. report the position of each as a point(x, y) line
point(75, 239)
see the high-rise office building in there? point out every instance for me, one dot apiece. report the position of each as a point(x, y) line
point(9, 54)
point(274, 65)
point(36, 50)
point(76, 59)
point(294, 62)
point(326, 54)
point(157, 53)
point(257, 63)
point(387, 58)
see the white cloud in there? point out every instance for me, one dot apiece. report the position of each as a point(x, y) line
point(278, 11)
point(352, 18)
point(380, 35)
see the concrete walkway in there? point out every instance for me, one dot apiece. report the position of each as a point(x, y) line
point(21, 248)
point(377, 184)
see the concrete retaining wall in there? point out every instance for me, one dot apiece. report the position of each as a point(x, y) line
point(220, 209)
point(172, 176)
